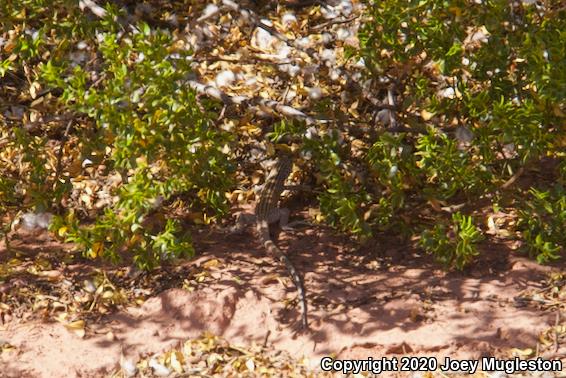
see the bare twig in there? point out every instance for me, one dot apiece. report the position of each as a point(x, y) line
point(59, 166)
point(259, 102)
point(93, 7)
point(556, 333)
point(326, 24)
point(513, 178)
point(265, 340)
point(31, 126)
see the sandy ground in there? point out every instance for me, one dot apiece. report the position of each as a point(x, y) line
point(376, 300)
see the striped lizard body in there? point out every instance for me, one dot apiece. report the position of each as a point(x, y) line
point(267, 211)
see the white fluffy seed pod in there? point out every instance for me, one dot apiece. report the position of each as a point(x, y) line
point(315, 93)
point(225, 79)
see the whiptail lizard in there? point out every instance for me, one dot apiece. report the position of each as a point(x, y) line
point(267, 211)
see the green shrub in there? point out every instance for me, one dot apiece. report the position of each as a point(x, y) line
point(133, 118)
point(479, 92)
point(498, 74)
point(542, 219)
point(157, 134)
point(453, 245)
point(342, 196)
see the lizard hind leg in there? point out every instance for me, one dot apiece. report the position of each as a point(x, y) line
point(284, 223)
point(283, 217)
point(243, 220)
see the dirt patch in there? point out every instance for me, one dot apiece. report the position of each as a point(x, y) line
point(381, 299)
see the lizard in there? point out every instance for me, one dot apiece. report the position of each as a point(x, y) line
point(267, 211)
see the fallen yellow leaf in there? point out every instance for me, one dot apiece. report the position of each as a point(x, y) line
point(77, 327)
point(213, 263)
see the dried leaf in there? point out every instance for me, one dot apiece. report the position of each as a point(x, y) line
point(34, 89)
point(522, 352)
point(426, 115)
point(108, 294)
point(177, 361)
point(77, 327)
point(212, 263)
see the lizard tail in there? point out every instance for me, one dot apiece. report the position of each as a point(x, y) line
point(299, 285)
point(273, 249)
